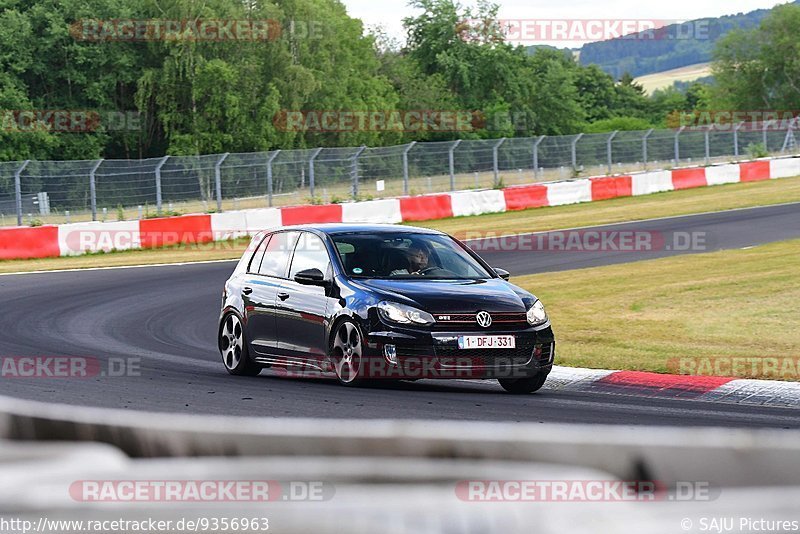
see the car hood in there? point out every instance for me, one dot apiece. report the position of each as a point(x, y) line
point(443, 296)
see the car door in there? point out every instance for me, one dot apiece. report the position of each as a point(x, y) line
point(266, 274)
point(302, 310)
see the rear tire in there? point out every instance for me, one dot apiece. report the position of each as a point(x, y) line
point(523, 386)
point(233, 347)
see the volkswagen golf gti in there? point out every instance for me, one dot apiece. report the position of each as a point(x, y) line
point(370, 302)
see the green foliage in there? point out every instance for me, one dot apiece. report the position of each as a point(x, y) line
point(618, 123)
point(759, 69)
point(757, 150)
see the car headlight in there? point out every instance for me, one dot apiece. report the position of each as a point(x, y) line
point(402, 314)
point(536, 315)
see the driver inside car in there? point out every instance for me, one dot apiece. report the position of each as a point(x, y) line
point(418, 260)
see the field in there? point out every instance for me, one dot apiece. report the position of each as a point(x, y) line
point(662, 80)
point(661, 314)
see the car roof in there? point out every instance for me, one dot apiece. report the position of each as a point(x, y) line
point(349, 228)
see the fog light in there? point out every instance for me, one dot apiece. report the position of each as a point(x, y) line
point(390, 351)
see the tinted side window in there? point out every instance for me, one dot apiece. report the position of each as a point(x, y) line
point(278, 252)
point(255, 263)
point(310, 254)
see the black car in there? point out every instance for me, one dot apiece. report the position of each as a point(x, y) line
point(369, 302)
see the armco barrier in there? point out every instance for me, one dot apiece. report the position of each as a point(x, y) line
point(689, 178)
point(176, 230)
point(570, 192)
point(372, 211)
point(426, 208)
point(229, 225)
point(613, 187)
point(525, 197)
point(81, 238)
point(331, 213)
point(754, 171)
point(71, 239)
point(28, 243)
point(466, 203)
point(728, 457)
point(784, 167)
point(723, 174)
point(648, 183)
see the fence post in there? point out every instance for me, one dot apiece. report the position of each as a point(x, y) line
point(608, 149)
point(354, 170)
point(736, 139)
point(405, 166)
point(93, 188)
point(18, 190)
point(574, 151)
point(536, 156)
point(764, 135)
point(677, 146)
point(311, 182)
point(269, 176)
point(644, 146)
point(452, 158)
point(218, 180)
point(706, 135)
point(496, 162)
point(158, 183)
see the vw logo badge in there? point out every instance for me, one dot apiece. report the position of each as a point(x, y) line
point(484, 319)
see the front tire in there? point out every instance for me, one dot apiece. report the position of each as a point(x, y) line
point(347, 354)
point(523, 386)
point(233, 347)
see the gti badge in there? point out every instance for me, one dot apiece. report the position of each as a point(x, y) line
point(484, 319)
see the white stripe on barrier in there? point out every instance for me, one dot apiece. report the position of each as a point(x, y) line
point(372, 211)
point(229, 225)
point(723, 174)
point(466, 203)
point(262, 219)
point(784, 167)
point(648, 183)
point(569, 192)
point(80, 238)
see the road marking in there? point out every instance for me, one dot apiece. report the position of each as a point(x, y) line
point(89, 269)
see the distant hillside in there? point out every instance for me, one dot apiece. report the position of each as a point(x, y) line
point(681, 77)
point(671, 47)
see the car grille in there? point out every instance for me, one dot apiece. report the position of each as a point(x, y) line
point(452, 356)
point(468, 322)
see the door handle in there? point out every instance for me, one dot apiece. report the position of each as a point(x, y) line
point(247, 291)
point(283, 296)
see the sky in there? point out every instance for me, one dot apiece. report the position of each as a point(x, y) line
point(389, 14)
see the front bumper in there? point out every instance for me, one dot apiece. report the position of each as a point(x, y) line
point(427, 354)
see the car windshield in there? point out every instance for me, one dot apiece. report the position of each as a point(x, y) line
point(406, 255)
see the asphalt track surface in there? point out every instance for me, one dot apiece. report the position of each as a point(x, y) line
point(166, 317)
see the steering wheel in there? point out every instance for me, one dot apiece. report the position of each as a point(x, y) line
point(427, 270)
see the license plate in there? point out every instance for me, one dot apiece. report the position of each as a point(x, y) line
point(486, 342)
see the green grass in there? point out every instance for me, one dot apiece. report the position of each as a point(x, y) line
point(540, 219)
point(647, 315)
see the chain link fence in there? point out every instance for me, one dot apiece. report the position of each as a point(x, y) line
point(34, 192)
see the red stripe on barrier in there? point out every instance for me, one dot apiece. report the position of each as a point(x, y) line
point(170, 231)
point(27, 243)
point(689, 178)
point(426, 208)
point(611, 187)
point(754, 171)
point(638, 379)
point(528, 196)
point(329, 213)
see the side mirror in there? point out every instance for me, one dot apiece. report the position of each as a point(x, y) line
point(502, 273)
point(310, 277)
